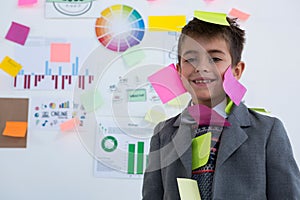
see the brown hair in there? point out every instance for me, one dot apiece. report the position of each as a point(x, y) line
point(233, 35)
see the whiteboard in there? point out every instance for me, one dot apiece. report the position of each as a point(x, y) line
point(57, 165)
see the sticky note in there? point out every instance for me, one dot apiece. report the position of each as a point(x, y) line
point(17, 33)
point(15, 129)
point(91, 100)
point(166, 23)
point(206, 116)
point(180, 101)
point(262, 110)
point(133, 56)
point(70, 124)
point(212, 17)
point(239, 14)
point(200, 150)
point(60, 52)
point(154, 116)
point(167, 83)
point(233, 88)
point(188, 189)
point(26, 2)
point(10, 66)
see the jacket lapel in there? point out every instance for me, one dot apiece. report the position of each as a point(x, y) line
point(233, 136)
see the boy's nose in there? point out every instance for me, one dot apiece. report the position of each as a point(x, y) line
point(201, 68)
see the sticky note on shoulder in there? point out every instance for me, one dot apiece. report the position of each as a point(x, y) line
point(167, 83)
point(212, 17)
point(10, 66)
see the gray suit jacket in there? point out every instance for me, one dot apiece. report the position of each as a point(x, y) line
point(255, 160)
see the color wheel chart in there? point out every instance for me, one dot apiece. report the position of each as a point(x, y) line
point(119, 28)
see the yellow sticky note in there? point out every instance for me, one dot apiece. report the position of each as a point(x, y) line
point(262, 110)
point(91, 100)
point(60, 52)
point(188, 189)
point(10, 66)
point(155, 116)
point(15, 129)
point(70, 124)
point(200, 150)
point(212, 17)
point(180, 101)
point(166, 23)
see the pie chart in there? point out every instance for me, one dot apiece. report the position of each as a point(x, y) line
point(119, 27)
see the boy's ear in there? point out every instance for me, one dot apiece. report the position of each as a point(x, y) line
point(178, 68)
point(238, 70)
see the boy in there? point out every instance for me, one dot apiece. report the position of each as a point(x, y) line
point(249, 159)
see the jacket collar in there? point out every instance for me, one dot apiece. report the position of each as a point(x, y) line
point(232, 137)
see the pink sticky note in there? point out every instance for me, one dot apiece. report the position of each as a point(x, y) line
point(60, 52)
point(69, 125)
point(17, 33)
point(206, 116)
point(234, 89)
point(167, 83)
point(26, 2)
point(239, 14)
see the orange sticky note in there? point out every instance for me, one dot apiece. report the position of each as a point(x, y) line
point(60, 52)
point(15, 129)
point(10, 66)
point(239, 14)
point(69, 125)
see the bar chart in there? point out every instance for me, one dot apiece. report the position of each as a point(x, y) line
point(54, 80)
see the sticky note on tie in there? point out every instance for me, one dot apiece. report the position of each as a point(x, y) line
point(166, 23)
point(239, 14)
point(206, 116)
point(60, 52)
point(91, 100)
point(10, 66)
point(233, 88)
point(17, 33)
point(26, 2)
point(200, 150)
point(212, 17)
point(167, 83)
point(70, 124)
point(15, 129)
point(188, 189)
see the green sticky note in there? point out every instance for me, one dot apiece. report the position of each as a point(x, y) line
point(91, 100)
point(228, 107)
point(133, 56)
point(212, 17)
point(188, 189)
point(262, 110)
point(200, 150)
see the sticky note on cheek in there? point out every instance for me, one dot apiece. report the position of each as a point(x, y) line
point(10, 66)
point(167, 83)
point(233, 88)
point(201, 150)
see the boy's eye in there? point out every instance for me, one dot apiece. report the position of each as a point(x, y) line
point(214, 60)
point(191, 60)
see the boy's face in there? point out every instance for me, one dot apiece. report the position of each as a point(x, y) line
point(202, 66)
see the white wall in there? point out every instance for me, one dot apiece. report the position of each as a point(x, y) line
point(57, 166)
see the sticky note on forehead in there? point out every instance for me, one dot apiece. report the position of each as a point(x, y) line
point(212, 17)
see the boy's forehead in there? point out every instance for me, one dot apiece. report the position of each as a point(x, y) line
point(203, 44)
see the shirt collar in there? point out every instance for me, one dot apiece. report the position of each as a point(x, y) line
point(219, 108)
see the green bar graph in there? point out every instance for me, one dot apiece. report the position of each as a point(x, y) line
point(140, 158)
point(131, 150)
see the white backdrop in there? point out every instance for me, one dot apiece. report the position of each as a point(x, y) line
point(57, 166)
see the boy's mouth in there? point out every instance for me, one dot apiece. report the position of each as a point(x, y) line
point(203, 81)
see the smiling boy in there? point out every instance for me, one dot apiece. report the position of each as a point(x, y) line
point(250, 159)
